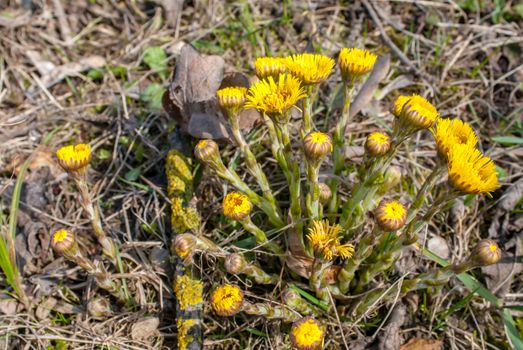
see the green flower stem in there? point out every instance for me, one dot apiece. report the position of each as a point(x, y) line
point(365, 189)
point(307, 112)
point(100, 275)
point(362, 252)
point(230, 175)
point(426, 188)
point(295, 182)
point(277, 148)
point(260, 276)
point(270, 312)
point(260, 236)
point(312, 200)
point(338, 156)
point(317, 280)
point(107, 243)
point(250, 161)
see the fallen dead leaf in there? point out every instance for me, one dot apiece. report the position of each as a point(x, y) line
point(191, 98)
point(422, 344)
point(145, 328)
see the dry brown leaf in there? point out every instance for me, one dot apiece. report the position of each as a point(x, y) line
point(145, 328)
point(422, 344)
point(390, 338)
point(191, 97)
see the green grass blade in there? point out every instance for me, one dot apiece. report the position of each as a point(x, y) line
point(511, 330)
point(310, 297)
point(470, 282)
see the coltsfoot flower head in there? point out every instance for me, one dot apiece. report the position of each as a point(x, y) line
point(415, 111)
point(234, 263)
point(325, 193)
point(269, 67)
point(64, 242)
point(377, 144)
point(355, 63)
point(309, 68)
point(317, 145)
point(275, 96)
point(236, 206)
point(227, 300)
point(184, 244)
point(325, 241)
point(470, 171)
point(390, 215)
point(448, 132)
point(207, 151)
point(74, 157)
point(231, 98)
point(486, 252)
point(307, 334)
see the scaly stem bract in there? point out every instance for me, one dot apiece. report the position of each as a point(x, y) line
point(260, 236)
point(317, 280)
point(312, 200)
point(250, 161)
point(338, 156)
point(307, 112)
point(427, 186)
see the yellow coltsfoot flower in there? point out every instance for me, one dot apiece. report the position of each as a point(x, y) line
point(390, 215)
point(74, 157)
point(227, 300)
point(64, 242)
point(448, 132)
point(470, 171)
point(236, 206)
point(486, 252)
point(317, 145)
point(325, 241)
point(377, 144)
point(355, 63)
point(307, 334)
point(231, 98)
point(415, 111)
point(309, 68)
point(275, 96)
point(269, 67)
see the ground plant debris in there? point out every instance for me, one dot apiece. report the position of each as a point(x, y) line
point(261, 174)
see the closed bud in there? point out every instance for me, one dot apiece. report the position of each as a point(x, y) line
point(325, 193)
point(231, 98)
point(184, 244)
point(486, 252)
point(392, 178)
point(235, 263)
point(377, 144)
point(390, 215)
point(290, 297)
point(207, 151)
point(227, 300)
point(64, 242)
point(317, 145)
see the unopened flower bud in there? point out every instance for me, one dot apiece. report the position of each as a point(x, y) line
point(486, 252)
point(325, 193)
point(290, 297)
point(236, 206)
point(184, 244)
point(207, 151)
point(231, 98)
point(74, 157)
point(392, 178)
point(235, 263)
point(390, 215)
point(307, 334)
point(99, 308)
point(317, 145)
point(227, 300)
point(377, 144)
point(64, 242)
point(269, 67)
point(415, 111)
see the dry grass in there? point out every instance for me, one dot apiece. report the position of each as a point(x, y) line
point(77, 73)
